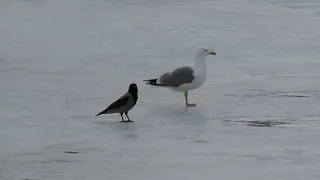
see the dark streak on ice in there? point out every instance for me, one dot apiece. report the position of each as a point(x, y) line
point(71, 152)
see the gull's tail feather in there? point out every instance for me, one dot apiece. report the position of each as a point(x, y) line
point(152, 82)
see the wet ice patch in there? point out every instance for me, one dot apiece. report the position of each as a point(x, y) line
point(260, 122)
point(265, 122)
point(264, 93)
point(292, 95)
point(268, 123)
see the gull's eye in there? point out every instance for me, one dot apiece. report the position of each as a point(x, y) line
point(205, 50)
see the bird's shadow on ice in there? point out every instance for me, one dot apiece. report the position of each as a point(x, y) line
point(128, 129)
point(187, 116)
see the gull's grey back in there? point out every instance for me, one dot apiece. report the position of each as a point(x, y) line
point(177, 77)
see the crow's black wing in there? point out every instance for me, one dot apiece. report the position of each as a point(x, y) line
point(115, 105)
point(118, 103)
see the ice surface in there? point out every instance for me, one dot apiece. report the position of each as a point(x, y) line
point(257, 115)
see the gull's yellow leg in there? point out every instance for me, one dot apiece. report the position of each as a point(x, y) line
point(186, 98)
point(187, 103)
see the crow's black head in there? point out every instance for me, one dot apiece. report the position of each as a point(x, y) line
point(133, 88)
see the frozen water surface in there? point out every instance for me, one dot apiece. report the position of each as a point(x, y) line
point(257, 115)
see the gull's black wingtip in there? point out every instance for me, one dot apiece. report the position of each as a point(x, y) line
point(151, 82)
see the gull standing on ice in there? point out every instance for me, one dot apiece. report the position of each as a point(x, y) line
point(124, 104)
point(185, 78)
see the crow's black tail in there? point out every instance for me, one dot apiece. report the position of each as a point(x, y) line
point(102, 112)
point(152, 82)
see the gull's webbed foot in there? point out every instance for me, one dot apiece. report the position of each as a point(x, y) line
point(191, 105)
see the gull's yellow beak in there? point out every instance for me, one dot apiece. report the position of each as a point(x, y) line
point(212, 53)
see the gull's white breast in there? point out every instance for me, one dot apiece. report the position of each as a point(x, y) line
point(200, 76)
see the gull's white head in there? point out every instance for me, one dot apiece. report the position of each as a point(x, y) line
point(202, 52)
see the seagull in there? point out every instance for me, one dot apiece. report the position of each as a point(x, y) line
point(185, 78)
point(124, 104)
